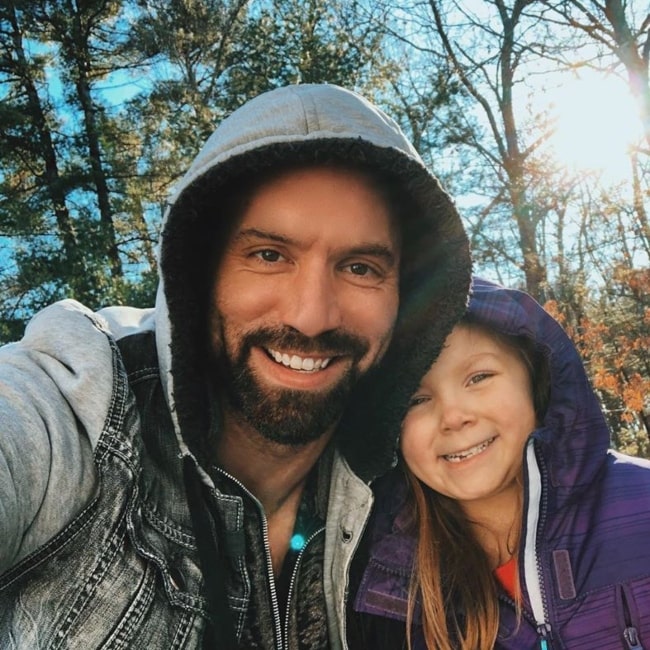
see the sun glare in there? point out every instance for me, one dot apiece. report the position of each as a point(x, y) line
point(597, 121)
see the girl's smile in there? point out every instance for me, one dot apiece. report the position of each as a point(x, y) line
point(469, 420)
point(460, 456)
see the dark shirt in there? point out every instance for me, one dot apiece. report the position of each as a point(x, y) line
point(293, 604)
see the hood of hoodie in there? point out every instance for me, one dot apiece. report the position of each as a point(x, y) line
point(573, 437)
point(317, 124)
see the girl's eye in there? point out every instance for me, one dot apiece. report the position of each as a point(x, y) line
point(479, 377)
point(417, 400)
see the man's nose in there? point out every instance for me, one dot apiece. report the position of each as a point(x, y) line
point(312, 303)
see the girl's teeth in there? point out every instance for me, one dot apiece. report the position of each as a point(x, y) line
point(464, 455)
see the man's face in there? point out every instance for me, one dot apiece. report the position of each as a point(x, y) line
point(304, 300)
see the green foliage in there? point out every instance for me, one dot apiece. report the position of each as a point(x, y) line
point(320, 42)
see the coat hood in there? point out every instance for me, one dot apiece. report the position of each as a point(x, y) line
point(307, 125)
point(574, 436)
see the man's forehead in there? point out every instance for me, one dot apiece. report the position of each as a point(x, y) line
point(324, 202)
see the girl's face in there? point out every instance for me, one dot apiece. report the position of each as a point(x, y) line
point(468, 422)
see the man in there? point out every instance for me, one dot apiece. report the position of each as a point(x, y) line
point(197, 475)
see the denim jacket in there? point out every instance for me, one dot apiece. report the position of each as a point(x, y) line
point(123, 571)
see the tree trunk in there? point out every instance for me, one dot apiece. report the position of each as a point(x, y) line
point(78, 48)
point(51, 179)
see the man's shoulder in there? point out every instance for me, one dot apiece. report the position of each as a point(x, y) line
point(72, 333)
point(124, 321)
point(69, 357)
point(60, 319)
point(65, 335)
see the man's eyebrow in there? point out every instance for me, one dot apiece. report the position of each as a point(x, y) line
point(256, 233)
point(373, 249)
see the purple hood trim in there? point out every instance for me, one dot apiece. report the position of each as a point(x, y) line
point(574, 436)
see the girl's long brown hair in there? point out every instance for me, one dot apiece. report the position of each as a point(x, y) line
point(452, 578)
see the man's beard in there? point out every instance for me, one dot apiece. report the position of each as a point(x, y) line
point(290, 416)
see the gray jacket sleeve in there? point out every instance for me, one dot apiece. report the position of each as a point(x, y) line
point(55, 390)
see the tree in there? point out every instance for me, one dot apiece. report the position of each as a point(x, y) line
point(489, 49)
point(613, 337)
point(65, 166)
point(613, 32)
point(310, 41)
point(32, 183)
point(565, 233)
point(79, 29)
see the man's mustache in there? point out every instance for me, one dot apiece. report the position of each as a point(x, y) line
point(331, 343)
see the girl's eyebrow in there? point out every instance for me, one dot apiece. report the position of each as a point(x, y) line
point(482, 353)
point(373, 249)
point(480, 357)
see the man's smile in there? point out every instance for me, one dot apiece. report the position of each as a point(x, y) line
point(297, 362)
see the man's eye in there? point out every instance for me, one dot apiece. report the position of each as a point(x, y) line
point(361, 269)
point(268, 255)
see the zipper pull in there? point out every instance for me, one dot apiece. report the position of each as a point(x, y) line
point(632, 638)
point(543, 630)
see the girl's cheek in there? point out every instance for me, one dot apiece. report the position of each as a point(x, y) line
point(410, 438)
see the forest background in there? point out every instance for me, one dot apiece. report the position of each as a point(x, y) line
point(103, 104)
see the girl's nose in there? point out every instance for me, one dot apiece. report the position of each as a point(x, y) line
point(455, 414)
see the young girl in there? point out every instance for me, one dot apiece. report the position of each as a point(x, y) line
point(510, 524)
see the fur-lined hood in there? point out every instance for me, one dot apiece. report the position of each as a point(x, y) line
point(573, 436)
point(310, 124)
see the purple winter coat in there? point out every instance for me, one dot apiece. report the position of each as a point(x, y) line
point(584, 561)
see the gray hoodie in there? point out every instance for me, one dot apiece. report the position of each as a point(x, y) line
point(68, 404)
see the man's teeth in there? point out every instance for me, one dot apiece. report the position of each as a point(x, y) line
point(468, 453)
point(310, 364)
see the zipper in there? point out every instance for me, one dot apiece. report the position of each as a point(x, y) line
point(292, 582)
point(275, 607)
point(630, 633)
point(632, 638)
point(544, 631)
point(271, 576)
point(533, 575)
